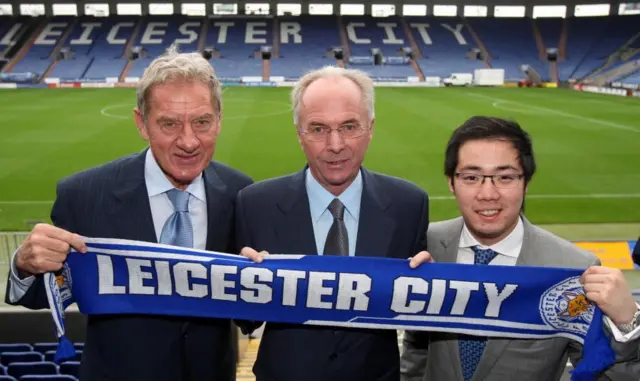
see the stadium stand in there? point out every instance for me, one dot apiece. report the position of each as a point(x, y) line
point(24, 361)
point(90, 48)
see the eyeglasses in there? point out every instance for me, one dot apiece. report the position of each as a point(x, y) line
point(320, 133)
point(503, 181)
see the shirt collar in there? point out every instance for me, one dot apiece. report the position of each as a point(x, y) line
point(320, 198)
point(509, 246)
point(158, 183)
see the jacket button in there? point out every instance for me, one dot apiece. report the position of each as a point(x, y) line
point(333, 356)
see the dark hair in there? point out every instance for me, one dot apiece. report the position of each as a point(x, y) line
point(488, 128)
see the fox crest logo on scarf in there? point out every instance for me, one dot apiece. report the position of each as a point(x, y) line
point(63, 279)
point(565, 306)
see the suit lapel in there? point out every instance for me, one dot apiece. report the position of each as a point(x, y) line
point(375, 226)
point(447, 252)
point(131, 212)
point(294, 230)
point(218, 205)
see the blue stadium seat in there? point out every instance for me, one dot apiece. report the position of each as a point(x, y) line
point(3, 370)
point(7, 378)
point(15, 348)
point(78, 346)
point(19, 369)
point(45, 347)
point(50, 377)
point(71, 368)
point(7, 358)
point(50, 355)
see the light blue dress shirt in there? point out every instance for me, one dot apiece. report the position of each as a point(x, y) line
point(321, 218)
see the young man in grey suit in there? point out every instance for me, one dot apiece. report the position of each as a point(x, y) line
point(489, 163)
point(172, 193)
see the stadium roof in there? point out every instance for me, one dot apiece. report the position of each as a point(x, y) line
point(337, 3)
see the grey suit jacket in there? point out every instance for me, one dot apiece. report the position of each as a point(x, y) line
point(434, 356)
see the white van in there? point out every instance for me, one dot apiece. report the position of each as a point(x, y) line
point(458, 79)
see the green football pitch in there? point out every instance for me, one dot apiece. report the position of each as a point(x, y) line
point(587, 146)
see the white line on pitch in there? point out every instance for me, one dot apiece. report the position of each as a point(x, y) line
point(435, 198)
point(557, 112)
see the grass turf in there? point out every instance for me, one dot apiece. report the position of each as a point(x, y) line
point(586, 145)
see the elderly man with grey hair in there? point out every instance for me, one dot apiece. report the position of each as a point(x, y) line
point(332, 206)
point(171, 193)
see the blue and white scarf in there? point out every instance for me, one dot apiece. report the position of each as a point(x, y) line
point(130, 277)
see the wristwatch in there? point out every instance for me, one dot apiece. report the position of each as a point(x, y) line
point(635, 322)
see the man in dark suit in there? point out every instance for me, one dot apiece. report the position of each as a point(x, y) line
point(171, 193)
point(331, 207)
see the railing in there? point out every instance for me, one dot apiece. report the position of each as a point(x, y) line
point(9, 243)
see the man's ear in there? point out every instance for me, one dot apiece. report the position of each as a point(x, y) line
point(140, 124)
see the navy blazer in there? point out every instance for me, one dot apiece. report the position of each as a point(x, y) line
point(274, 215)
point(111, 201)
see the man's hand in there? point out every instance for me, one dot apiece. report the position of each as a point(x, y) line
point(420, 258)
point(253, 255)
point(608, 288)
point(46, 248)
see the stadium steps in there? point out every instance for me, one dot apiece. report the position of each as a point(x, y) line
point(617, 73)
point(56, 49)
point(597, 75)
point(46, 73)
point(125, 71)
point(61, 41)
point(344, 40)
point(15, 34)
point(417, 53)
point(553, 71)
point(562, 43)
point(275, 36)
point(417, 69)
point(630, 51)
point(134, 37)
point(266, 70)
point(539, 41)
point(25, 48)
point(202, 39)
point(486, 57)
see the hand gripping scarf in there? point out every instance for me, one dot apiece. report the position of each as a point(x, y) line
point(130, 277)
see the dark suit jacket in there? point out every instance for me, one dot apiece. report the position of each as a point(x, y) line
point(111, 201)
point(636, 253)
point(274, 215)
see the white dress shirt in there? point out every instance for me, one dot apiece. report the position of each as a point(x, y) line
point(321, 218)
point(157, 185)
point(508, 251)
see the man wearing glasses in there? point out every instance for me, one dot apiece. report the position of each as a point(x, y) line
point(489, 163)
point(332, 207)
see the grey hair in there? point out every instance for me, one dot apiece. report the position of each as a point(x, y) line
point(360, 78)
point(175, 66)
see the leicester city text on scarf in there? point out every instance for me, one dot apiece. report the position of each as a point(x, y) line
point(324, 289)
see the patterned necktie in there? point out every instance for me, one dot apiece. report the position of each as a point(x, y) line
point(177, 230)
point(337, 240)
point(471, 347)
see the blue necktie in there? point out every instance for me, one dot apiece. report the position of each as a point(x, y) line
point(177, 230)
point(471, 347)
